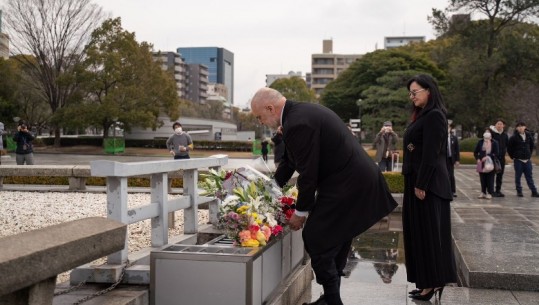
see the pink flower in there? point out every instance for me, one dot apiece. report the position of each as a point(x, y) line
point(267, 231)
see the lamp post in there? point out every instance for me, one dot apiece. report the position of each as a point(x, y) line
point(358, 103)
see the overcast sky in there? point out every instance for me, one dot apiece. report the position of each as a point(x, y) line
point(272, 37)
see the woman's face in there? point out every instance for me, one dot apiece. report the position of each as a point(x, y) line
point(418, 95)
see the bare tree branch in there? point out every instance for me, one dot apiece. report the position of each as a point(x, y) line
point(54, 33)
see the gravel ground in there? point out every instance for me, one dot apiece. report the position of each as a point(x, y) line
point(26, 211)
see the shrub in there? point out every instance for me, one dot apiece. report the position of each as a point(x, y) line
point(468, 144)
point(395, 182)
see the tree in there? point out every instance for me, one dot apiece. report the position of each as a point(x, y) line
point(122, 83)
point(54, 33)
point(378, 79)
point(294, 88)
point(9, 89)
point(500, 15)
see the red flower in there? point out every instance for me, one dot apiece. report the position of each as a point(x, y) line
point(228, 174)
point(276, 230)
point(287, 200)
point(254, 228)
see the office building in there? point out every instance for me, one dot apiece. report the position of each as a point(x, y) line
point(173, 63)
point(4, 41)
point(326, 66)
point(219, 62)
point(270, 78)
point(399, 41)
point(197, 83)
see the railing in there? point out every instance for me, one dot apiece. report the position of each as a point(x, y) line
point(159, 208)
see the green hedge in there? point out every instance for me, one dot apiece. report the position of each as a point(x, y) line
point(468, 144)
point(93, 181)
point(153, 143)
point(395, 181)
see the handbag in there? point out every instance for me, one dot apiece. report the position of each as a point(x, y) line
point(479, 166)
point(497, 166)
point(488, 165)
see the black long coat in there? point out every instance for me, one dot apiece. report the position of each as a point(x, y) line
point(427, 223)
point(339, 184)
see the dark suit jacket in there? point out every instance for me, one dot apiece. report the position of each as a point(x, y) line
point(425, 154)
point(339, 184)
point(455, 150)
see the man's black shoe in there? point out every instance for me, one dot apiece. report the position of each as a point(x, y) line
point(496, 194)
point(519, 194)
point(535, 194)
point(500, 194)
point(320, 301)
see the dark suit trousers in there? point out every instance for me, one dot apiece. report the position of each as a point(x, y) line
point(328, 267)
point(451, 171)
point(499, 176)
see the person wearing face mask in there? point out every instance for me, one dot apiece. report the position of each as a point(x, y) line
point(486, 147)
point(180, 143)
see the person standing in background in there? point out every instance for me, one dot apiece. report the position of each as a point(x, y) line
point(486, 147)
point(426, 212)
point(453, 156)
point(24, 152)
point(180, 143)
point(502, 138)
point(264, 145)
point(278, 146)
point(520, 149)
point(385, 143)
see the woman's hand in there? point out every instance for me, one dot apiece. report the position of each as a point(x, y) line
point(419, 193)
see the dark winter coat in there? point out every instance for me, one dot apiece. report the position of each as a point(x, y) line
point(518, 148)
point(339, 184)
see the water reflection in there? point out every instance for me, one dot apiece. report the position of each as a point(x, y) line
point(382, 251)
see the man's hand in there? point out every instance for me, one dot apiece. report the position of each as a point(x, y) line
point(457, 163)
point(172, 152)
point(183, 148)
point(419, 193)
point(296, 222)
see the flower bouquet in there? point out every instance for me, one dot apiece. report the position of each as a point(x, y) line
point(252, 208)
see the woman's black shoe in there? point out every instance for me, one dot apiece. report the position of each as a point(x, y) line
point(428, 296)
point(415, 291)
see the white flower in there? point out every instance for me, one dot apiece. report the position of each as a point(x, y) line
point(231, 200)
point(270, 219)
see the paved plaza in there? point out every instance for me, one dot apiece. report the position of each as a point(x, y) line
point(496, 241)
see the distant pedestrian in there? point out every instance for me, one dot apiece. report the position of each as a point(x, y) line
point(264, 144)
point(485, 148)
point(453, 156)
point(499, 135)
point(520, 148)
point(278, 146)
point(24, 153)
point(180, 143)
point(385, 143)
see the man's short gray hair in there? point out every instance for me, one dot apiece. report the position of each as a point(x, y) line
point(267, 95)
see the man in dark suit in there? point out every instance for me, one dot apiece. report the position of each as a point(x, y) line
point(453, 156)
point(342, 193)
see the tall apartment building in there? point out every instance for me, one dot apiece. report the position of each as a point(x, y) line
point(197, 83)
point(326, 66)
point(173, 63)
point(399, 41)
point(270, 78)
point(219, 61)
point(4, 41)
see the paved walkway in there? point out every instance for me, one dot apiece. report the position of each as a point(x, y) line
point(497, 244)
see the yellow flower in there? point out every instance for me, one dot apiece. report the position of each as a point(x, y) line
point(250, 243)
point(242, 209)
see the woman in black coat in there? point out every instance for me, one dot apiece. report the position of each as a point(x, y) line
point(426, 217)
point(486, 147)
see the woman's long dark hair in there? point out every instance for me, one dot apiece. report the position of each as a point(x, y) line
point(435, 98)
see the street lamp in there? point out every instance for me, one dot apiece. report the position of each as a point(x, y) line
point(358, 103)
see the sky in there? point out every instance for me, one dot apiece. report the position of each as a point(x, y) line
point(272, 37)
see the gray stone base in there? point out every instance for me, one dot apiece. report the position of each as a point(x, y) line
point(295, 288)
